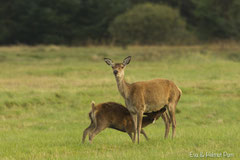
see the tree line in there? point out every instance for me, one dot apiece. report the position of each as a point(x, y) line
point(73, 22)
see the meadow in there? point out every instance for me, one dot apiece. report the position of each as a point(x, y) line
point(46, 92)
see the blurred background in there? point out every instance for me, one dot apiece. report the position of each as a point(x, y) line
point(121, 22)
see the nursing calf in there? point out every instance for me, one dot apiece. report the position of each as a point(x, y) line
point(116, 116)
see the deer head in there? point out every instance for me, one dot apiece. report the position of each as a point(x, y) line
point(118, 68)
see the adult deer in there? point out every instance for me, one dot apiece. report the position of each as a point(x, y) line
point(146, 96)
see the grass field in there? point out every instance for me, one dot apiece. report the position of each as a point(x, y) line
point(46, 91)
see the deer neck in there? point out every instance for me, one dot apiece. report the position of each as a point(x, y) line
point(123, 86)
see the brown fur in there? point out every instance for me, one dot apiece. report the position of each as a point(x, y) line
point(116, 116)
point(146, 96)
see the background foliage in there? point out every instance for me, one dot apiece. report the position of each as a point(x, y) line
point(88, 21)
point(148, 24)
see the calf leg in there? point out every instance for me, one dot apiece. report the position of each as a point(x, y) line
point(130, 135)
point(88, 130)
point(145, 135)
point(96, 130)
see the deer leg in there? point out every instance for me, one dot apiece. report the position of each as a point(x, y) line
point(145, 135)
point(172, 117)
point(166, 120)
point(134, 117)
point(139, 124)
point(130, 135)
point(97, 130)
point(88, 130)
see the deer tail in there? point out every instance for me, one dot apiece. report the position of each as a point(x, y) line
point(92, 113)
point(180, 93)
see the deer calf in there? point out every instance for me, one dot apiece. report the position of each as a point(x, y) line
point(116, 116)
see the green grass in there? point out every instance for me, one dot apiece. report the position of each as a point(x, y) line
point(46, 91)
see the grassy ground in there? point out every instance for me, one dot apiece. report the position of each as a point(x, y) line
point(46, 91)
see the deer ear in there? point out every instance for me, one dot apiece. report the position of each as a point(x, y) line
point(127, 60)
point(108, 61)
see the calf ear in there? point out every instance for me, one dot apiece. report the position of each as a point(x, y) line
point(108, 61)
point(163, 110)
point(160, 112)
point(127, 60)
